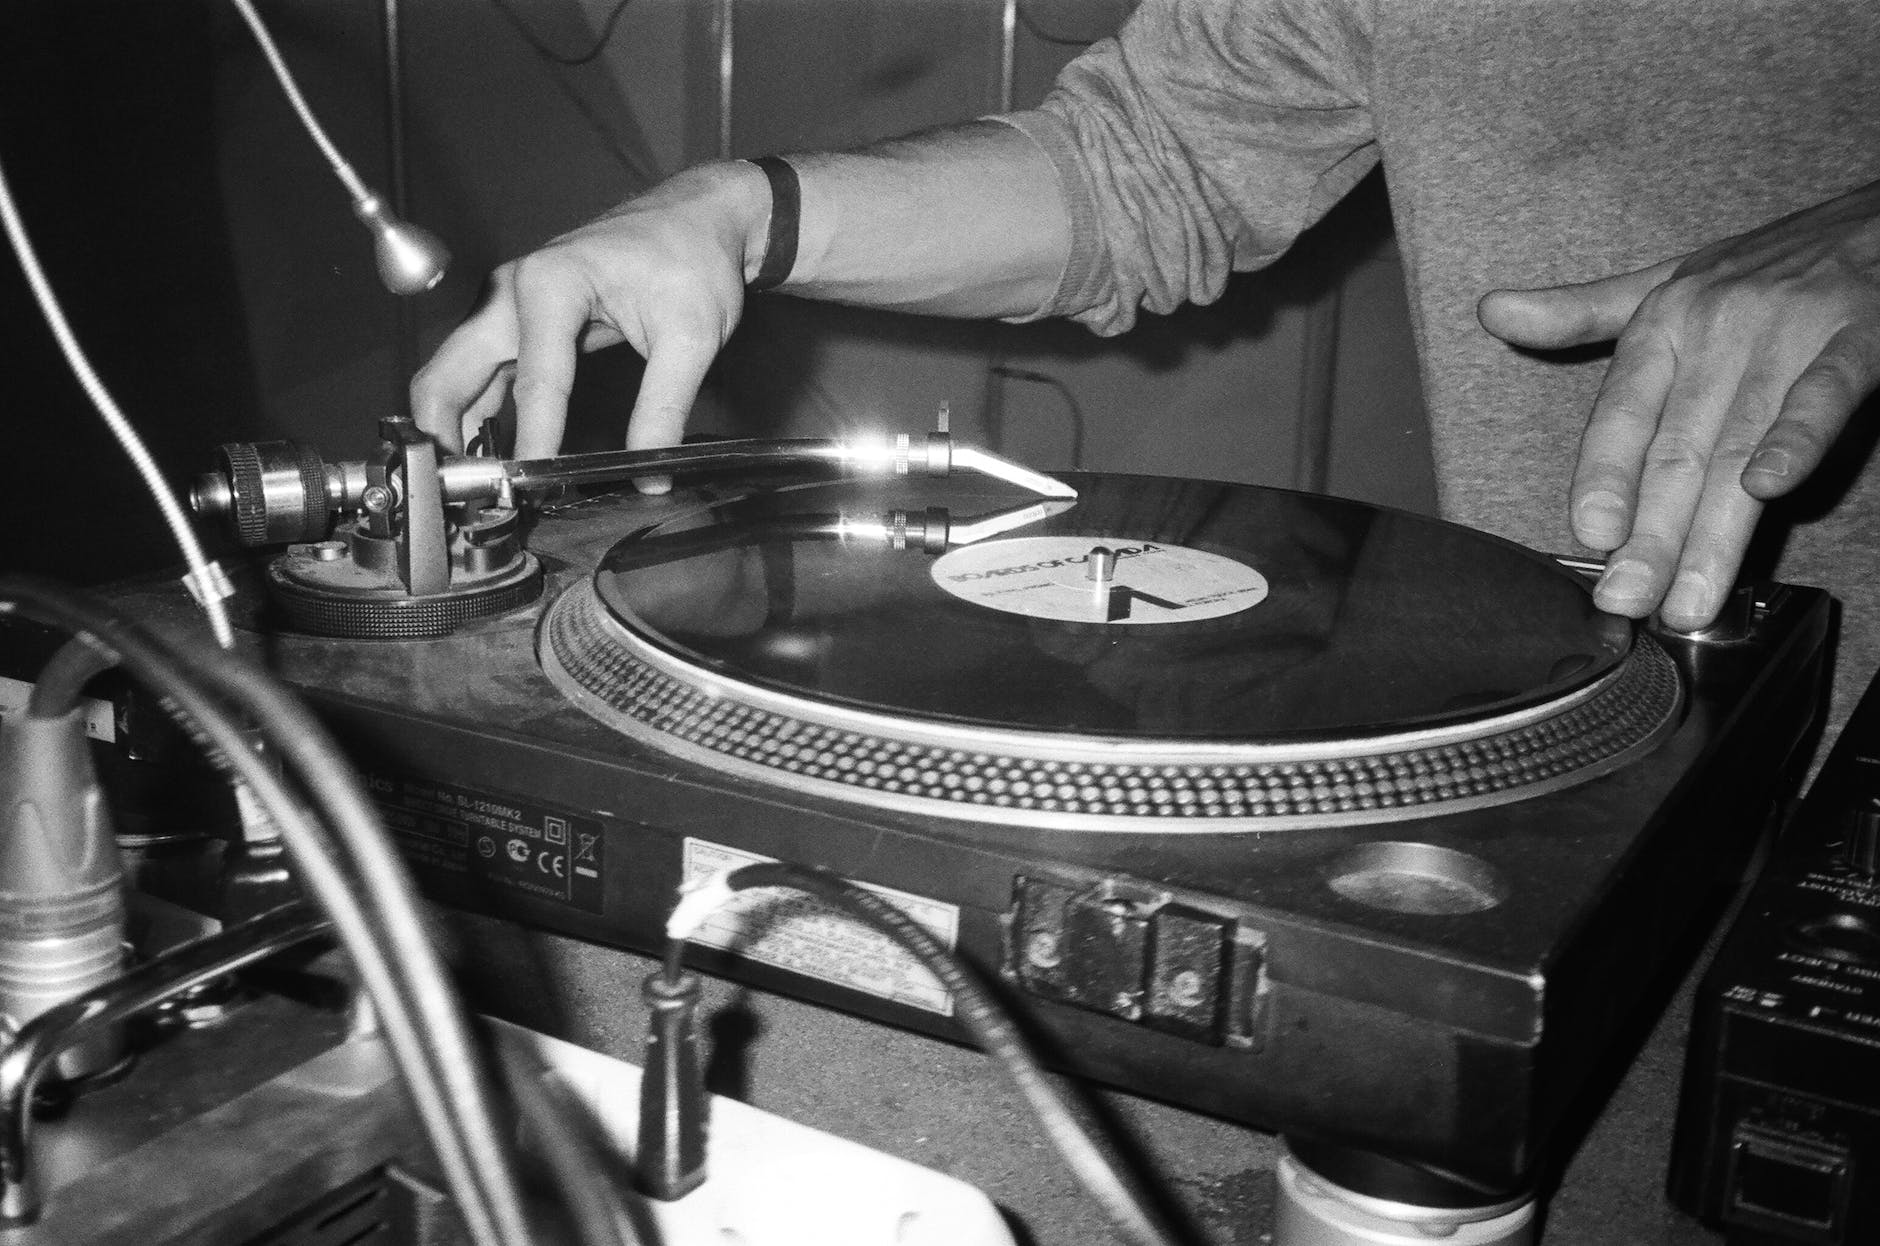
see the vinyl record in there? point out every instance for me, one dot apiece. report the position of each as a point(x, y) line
point(1155, 625)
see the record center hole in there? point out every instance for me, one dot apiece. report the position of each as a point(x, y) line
point(1416, 878)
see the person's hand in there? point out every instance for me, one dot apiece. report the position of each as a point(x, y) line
point(1736, 367)
point(664, 271)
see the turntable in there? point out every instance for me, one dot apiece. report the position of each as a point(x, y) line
point(1345, 823)
point(1159, 656)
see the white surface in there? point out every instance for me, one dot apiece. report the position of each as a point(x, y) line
point(771, 1182)
point(99, 722)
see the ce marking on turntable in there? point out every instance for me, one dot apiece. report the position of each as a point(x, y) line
point(552, 863)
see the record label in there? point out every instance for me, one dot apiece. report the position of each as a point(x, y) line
point(1084, 579)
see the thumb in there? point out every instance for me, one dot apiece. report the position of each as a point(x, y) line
point(1570, 315)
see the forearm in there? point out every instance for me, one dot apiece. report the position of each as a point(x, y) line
point(967, 221)
point(964, 222)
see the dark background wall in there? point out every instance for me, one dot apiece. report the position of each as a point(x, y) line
point(211, 265)
point(106, 137)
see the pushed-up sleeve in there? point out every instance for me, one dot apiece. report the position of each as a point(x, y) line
point(1201, 140)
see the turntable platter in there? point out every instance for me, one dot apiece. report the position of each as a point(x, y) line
point(1168, 650)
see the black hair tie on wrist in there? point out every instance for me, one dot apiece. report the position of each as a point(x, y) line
point(786, 211)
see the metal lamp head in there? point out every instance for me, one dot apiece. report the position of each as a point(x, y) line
point(411, 260)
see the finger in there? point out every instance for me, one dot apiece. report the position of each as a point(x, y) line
point(675, 368)
point(1618, 434)
point(1570, 315)
point(1726, 515)
point(1713, 553)
point(1676, 468)
point(462, 372)
point(551, 316)
point(488, 403)
point(1815, 410)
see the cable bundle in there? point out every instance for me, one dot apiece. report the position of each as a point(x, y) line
point(346, 862)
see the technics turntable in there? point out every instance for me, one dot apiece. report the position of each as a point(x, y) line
point(1342, 822)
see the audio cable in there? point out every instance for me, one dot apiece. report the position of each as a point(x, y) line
point(206, 581)
point(348, 865)
point(669, 1103)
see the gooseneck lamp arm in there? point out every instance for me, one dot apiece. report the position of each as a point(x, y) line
point(410, 260)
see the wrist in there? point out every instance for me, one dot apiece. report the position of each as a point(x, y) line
point(752, 215)
point(785, 223)
point(735, 198)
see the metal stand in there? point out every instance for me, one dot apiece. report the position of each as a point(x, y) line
point(1313, 1210)
point(404, 312)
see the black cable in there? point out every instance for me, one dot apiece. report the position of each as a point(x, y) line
point(670, 1159)
point(175, 669)
point(303, 740)
point(61, 684)
point(547, 53)
point(990, 1027)
point(634, 167)
point(564, 1131)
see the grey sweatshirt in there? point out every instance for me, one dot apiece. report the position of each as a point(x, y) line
point(1526, 143)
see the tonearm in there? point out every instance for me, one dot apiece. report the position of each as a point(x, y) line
point(411, 543)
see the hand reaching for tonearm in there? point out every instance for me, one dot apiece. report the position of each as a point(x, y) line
point(664, 271)
point(668, 269)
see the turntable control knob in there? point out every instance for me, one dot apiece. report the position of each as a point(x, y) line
point(1735, 622)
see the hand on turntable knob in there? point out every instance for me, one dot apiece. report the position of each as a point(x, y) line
point(664, 271)
point(1735, 369)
